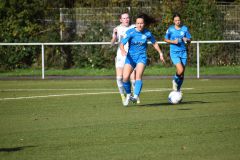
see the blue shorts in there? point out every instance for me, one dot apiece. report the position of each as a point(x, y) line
point(179, 57)
point(134, 60)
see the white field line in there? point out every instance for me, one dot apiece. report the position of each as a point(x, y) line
point(81, 94)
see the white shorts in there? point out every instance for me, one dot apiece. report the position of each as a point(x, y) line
point(120, 61)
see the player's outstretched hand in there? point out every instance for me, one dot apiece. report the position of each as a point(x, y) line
point(162, 58)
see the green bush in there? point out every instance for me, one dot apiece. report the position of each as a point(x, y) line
point(97, 56)
point(19, 23)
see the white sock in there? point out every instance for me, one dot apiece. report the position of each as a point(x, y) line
point(120, 84)
point(133, 84)
point(135, 96)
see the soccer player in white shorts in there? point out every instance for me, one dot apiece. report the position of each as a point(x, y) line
point(119, 33)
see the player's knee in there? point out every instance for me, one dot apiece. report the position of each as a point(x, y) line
point(138, 77)
point(180, 70)
point(125, 78)
point(119, 81)
point(119, 78)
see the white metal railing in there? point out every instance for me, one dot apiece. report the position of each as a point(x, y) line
point(108, 43)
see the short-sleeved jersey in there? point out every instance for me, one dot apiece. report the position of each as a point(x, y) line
point(173, 34)
point(121, 32)
point(137, 41)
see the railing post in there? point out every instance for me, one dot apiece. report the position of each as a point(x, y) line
point(43, 61)
point(61, 21)
point(198, 60)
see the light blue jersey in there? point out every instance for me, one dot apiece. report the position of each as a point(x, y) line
point(178, 52)
point(137, 42)
point(173, 34)
point(137, 53)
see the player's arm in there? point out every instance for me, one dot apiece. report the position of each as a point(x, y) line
point(156, 46)
point(114, 37)
point(113, 40)
point(123, 52)
point(167, 38)
point(171, 41)
point(187, 37)
point(123, 42)
point(187, 40)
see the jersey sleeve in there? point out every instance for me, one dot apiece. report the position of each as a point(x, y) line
point(133, 26)
point(168, 34)
point(126, 37)
point(188, 35)
point(151, 38)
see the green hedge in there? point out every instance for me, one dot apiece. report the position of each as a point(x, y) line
point(26, 21)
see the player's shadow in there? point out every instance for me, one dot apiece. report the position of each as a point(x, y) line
point(169, 104)
point(14, 149)
point(216, 92)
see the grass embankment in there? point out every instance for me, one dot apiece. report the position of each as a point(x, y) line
point(150, 70)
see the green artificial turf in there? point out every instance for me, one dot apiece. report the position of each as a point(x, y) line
point(84, 119)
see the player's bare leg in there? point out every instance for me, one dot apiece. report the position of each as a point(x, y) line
point(138, 86)
point(119, 79)
point(133, 80)
point(178, 79)
point(127, 70)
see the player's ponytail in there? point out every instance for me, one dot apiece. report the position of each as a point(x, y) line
point(148, 20)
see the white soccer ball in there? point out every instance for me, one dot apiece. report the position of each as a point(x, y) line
point(175, 97)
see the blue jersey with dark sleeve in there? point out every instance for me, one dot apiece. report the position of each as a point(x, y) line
point(173, 34)
point(137, 41)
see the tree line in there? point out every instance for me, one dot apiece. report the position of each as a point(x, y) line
point(29, 21)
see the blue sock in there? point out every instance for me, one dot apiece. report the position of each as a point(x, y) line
point(127, 87)
point(138, 87)
point(176, 78)
point(180, 82)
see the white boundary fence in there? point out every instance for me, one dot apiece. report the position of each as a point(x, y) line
point(108, 43)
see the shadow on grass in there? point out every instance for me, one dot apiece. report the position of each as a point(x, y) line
point(216, 92)
point(168, 104)
point(15, 149)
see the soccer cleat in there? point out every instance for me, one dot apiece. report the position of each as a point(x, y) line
point(133, 100)
point(138, 100)
point(181, 96)
point(123, 98)
point(126, 102)
point(175, 85)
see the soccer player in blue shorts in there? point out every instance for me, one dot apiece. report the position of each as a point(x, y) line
point(177, 36)
point(136, 56)
point(118, 34)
